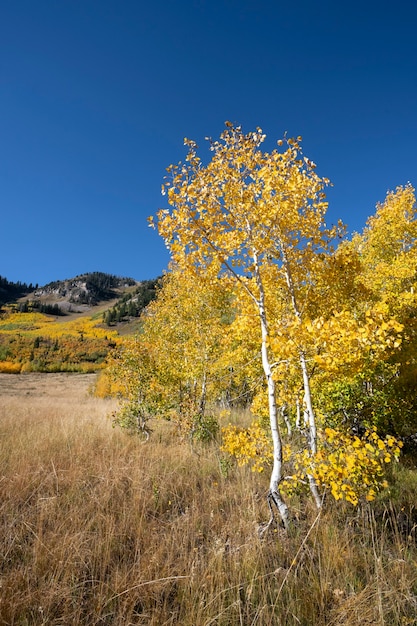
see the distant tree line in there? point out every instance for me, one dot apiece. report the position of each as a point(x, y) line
point(132, 304)
point(100, 286)
point(34, 305)
point(11, 291)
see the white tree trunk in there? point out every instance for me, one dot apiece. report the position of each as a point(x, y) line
point(312, 429)
point(308, 405)
point(298, 418)
point(286, 419)
point(274, 495)
point(309, 411)
point(276, 474)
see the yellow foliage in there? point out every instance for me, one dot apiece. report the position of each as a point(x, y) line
point(106, 386)
point(388, 253)
point(345, 465)
point(37, 324)
point(338, 343)
point(7, 367)
point(41, 343)
point(349, 466)
point(250, 445)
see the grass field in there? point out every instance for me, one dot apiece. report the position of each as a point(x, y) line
point(97, 528)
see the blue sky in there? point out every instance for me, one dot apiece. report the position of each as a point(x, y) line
point(97, 96)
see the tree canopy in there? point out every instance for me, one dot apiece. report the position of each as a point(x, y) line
point(265, 302)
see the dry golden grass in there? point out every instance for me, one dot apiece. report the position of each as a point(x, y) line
point(99, 529)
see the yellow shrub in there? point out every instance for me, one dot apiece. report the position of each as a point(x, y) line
point(7, 367)
point(347, 466)
point(105, 387)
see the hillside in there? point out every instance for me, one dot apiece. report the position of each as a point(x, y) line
point(71, 295)
point(82, 292)
point(68, 325)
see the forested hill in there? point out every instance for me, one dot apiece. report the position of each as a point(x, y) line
point(69, 326)
point(10, 291)
point(121, 298)
point(88, 288)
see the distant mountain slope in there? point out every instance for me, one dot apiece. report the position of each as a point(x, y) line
point(120, 300)
point(90, 289)
point(65, 325)
point(132, 303)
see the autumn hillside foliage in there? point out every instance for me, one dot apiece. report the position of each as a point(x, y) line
point(35, 342)
point(265, 307)
point(65, 327)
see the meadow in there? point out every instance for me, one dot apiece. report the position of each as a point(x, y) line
point(98, 528)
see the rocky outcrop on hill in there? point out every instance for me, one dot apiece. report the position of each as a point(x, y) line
point(87, 289)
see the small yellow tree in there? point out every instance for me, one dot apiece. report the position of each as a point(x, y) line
point(387, 253)
point(174, 367)
point(256, 219)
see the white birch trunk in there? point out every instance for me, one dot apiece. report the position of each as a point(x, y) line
point(276, 474)
point(308, 405)
point(309, 411)
point(298, 418)
point(274, 495)
point(286, 419)
point(312, 430)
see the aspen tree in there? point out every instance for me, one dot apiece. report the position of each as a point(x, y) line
point(256, 219)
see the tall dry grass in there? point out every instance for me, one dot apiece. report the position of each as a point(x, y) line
point(98, 528)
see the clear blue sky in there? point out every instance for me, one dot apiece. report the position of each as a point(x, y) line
point(97, 96)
